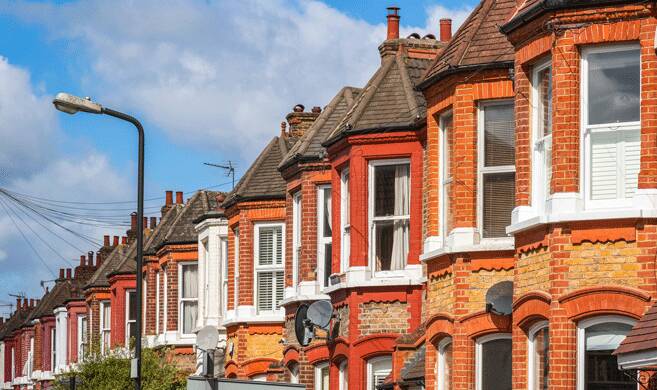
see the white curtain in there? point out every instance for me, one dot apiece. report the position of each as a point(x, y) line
point(190, 311)
point(190, 281)
point(329, 208)
point(400, 241)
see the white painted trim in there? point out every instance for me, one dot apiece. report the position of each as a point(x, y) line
point(297, 231)
point(441, 363)
point(321, 240)
point(318, 375)
point(370, 368)
point(343, 375)
point(181, 313)
point(531, 361)
point(581, 340)
point(126, 322)
point(539, 196)
point(267, 268)
point(443, 174)
point(478, 352)
point(101, 318)
point(345, 225)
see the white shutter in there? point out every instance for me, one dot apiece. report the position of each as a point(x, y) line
point(266, 246)
point(604, 162)
point(279, 245)
point(631, 161)
point(547, 159)
point(280, 288)
point(265, 291)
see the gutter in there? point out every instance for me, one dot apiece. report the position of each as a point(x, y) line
point(419, 123)
point(426, 83)
point(239, 199)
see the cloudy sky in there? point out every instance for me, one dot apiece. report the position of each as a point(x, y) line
point(211, 81)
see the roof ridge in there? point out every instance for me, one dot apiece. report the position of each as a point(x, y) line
point(244, 181)
point(282, 145)
point(408, 85)
point(486, 6)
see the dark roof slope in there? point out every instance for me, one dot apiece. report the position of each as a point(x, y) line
point(55, 297)
point(99, 278)
point(182, 228)
point(414, 367)
point(477, 42)
point(643, 335)
point(309, 146)
point(15, 322)
point(263, 180)
point(157, 236)
point(389, 100)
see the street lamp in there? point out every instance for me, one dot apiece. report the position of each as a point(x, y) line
point(72, 104)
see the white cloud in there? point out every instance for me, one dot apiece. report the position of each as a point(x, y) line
point(3, 255)
point(437, 12)
point(219, 74)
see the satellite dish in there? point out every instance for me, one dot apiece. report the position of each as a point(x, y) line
point(320, 313)
point(302, 327)
point(499, 298)
point(207, 338)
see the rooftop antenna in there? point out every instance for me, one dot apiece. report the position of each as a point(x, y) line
point(230, 169)
point(20, 295)
point(43, 283)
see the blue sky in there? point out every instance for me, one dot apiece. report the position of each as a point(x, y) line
point(211, 81)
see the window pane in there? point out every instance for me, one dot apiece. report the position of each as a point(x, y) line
point(132, 331)
point(269, 245)
point(496, 365)
point(446, 356)
point(328, 253)
point(499, 200)
point(391, 190)
point(280, 288)
point(602, 371)
point(265, 291)
point(499, 137)
point(541, 346)
point(106, 315)
point(614, 86)
point(545, 101)
point(189, 316)
point(132, 309)
point(391, 244)
point(448, 135)
point(327, 231)
point(190, 281)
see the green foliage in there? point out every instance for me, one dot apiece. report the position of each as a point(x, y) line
point(112, 372)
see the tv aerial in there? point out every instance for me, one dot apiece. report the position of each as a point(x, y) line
point(309, 317)
point(499, 298)
point(229, 168)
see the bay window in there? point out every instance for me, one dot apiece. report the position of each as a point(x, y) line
point(447, 136)
point(378, 369)
point(82, 337)
point(296, 237)
point(493, 362)
point(496, 173)
point(236, 268)
point(188, 297)
point(611, 88)
point(444, 364)
point(343, 376)
point(324, 234)
point(269, 269)
point(165, 300)
point(105, 326)
point(223, 245)
point(157, 302)
point(130, 316)
point(345, 221)
point(53, 348)
point(322, 376)
point(542, 130)
point(597, 367)
point(539, 362)
point(389, 210)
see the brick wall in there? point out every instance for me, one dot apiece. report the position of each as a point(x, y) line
point(383, 317)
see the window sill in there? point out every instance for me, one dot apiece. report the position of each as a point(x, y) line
point(362, 277)
point(487, 244)
point(303, 298)
point(248, 314)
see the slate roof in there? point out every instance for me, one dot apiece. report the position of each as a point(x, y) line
point(389, 100)
point(110, 263)
point(309, 146)
point(182, 228)
point(263, 180)
point(157, 236)
point(477, 42)
point(414, 366)
point(15, 322)
point(54, 298)
point(643, 335)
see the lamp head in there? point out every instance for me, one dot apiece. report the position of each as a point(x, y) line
point(71, 104)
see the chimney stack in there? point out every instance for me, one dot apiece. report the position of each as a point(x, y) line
point(393, 23)
point(61, 273)
point(99, 259)
point(82, 261)
point(2, 320)
point(25, 303)
point(179, 197)
point(90, 259)
point(106, 240)
point(153, 223)
point(18, 304)
point(299, 121)
point(145, 223)
point(168, 202)
point(116, 241)
point(445, 30)
point(68, 273)
point(31, 302)
point(133, 220)
point(124, 240)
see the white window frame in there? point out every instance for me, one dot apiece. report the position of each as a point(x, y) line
point(205, 251)
point(482, 169)
point(581, 341)
point(165, 304)
point(267, 268)
point(321, 240)
point(30, 358)
point(53, 348)
point(540, 189)
point(294, 372)
point(345, 223)
point(223, 253)
point(13, 363)
point(296, 237)
point(81, 342)
point(127, 321)
point(181, 300)
point(479, 351)
point(370, 369)
point(236, 268)
point(144, 303)
point(157, 302)
point(586, 129)
point(105, 348)
point(444, 177)
point(531, 352)
point(372, 165)
point(441, 363)
point(318, 375)
point(343, 375)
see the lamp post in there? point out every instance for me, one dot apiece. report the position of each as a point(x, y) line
point(72, 104)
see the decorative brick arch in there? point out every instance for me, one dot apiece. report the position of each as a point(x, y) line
point(230, 369)
point(339, 350)
point(439, 326)
point(591, 301)
point(317, 353)
point(290, 355)
point(373, 345)
point(257, 366)
point(530, 307)
point(482, 323)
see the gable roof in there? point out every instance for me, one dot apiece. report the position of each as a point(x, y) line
point(99, 278)
point(15, 322)
point(389, 100)
point(157, 236)
point(309, 146)
point(55, 297)
point(181, 231)
point(263, 180)
point(478, 42)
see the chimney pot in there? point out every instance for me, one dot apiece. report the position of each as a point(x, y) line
point(179, 197)
point(445, 30)
point(299, 108)
point(90, 259)
point(18, 303)
point(133, 221)
point(317, 109)
point(145, 223)
point(82, 261)
point(153, 222)
point(283, 128)
point(31, 302)
point(124, 240)
point(169, 198)
point(99, 259)
point(68, 273)
point(116, 241)
point(25, 303)
point(61, 273)
point(393, 23)
point(106, 240)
